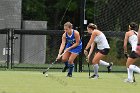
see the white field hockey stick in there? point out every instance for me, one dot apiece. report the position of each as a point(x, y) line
point(52, 63)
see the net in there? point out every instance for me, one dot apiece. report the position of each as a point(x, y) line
point(113, 15)
point(37, 47)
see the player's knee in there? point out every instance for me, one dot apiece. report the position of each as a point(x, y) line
point(64, 59)
point(127, 64)
point(70, 62)
point(131, 67)
point(95, 62)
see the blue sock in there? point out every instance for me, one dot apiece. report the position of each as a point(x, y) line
point(71, 66)
point(66, 64)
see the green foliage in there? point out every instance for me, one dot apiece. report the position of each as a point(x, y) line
point(90, 13)
point(109, 14)
point(64, 4)
point(119, 48)
point(52, 11)
point(34, 10)
point(73, 6)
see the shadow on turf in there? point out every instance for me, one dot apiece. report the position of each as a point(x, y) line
point(59, 80)
point(122, 78)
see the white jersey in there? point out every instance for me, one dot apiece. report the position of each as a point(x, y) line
point(133, 40)
point(101, 41)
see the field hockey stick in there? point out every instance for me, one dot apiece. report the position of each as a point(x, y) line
point(134, 77)
point(88, 67)
point(52, 63)
point(126, 55)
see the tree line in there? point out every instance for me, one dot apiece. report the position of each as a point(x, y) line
point(109, 15)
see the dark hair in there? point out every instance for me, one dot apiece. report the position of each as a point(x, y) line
point(134, 26)
point(92, 26)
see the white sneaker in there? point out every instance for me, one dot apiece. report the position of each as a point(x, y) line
point(128, 80)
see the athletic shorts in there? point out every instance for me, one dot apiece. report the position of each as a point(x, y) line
point(75, 50)
point(103, 51)
point(133, 55)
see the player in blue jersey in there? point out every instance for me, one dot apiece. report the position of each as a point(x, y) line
point(72, 46)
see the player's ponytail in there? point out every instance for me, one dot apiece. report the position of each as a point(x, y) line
point(134, 26)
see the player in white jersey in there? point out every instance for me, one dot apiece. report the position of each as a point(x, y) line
point(102, 49)
point(131, 37)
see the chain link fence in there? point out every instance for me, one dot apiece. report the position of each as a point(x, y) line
point(36, 47)
point(40, 52)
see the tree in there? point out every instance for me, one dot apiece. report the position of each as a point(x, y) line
point(62, 11)
point(34, 10)
point(109, 15)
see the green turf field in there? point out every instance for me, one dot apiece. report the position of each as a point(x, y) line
point(57, 82)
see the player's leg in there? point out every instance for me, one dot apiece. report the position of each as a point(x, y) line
point(101, 62)
point(98, 56)
point(129, 62)
point(135, 68)
point(71, 63)
point(65, 58)
point(130, 65)
point(104, 63)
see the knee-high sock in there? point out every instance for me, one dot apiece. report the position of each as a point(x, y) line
point(71, 67)
point(134, 68)
point(101, 62)
point(130, 73)
point(96, 67)
point(66, 63)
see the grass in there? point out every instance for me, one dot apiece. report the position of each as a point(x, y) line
point(57, 82)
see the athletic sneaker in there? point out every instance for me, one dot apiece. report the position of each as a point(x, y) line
point(128, 80)
point(69, 75)
point(64, 69)
point(109, 68)
point(94, 76)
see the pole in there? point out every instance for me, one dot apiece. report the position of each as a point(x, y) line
point(82, 17)
point(21, 38)
point(8, 48)
point(12, 48)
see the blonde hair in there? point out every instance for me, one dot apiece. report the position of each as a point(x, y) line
point(92, 26)
point(68, 24)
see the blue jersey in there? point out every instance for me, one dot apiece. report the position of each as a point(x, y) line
point(70, 40)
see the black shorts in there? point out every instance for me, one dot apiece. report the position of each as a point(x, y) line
point(133, 55)
point(103, 51)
